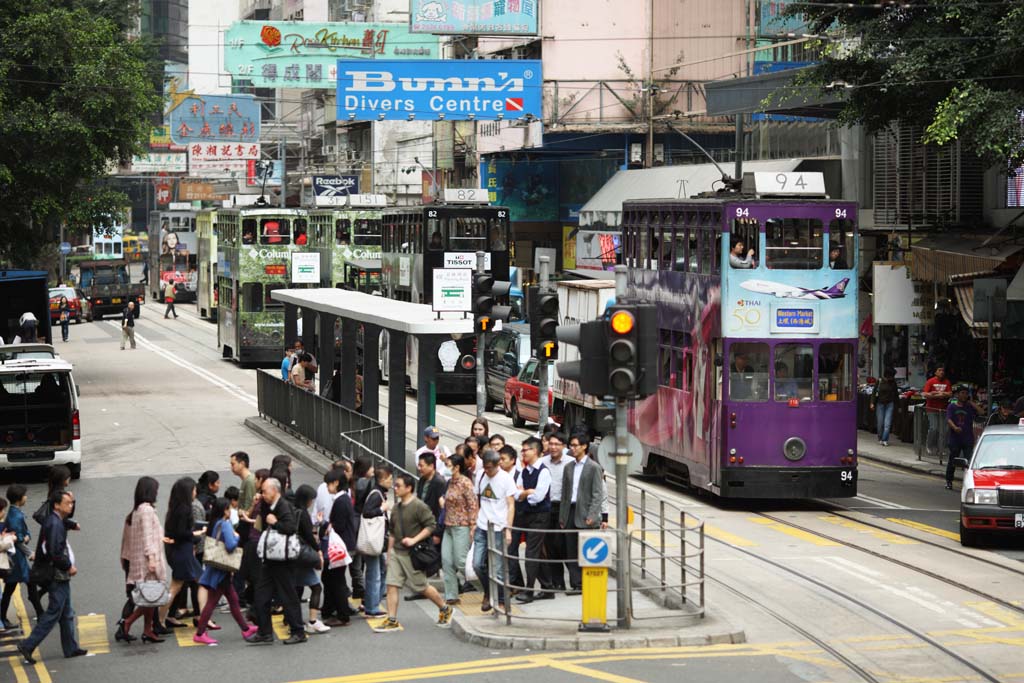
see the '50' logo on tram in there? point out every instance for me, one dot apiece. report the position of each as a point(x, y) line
point(746, 315)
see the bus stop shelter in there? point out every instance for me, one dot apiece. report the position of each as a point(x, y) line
point(322, 309)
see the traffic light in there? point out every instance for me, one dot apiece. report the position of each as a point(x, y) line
point(543, 309)
point(591, 370)
point(632, 350)
point(486, 292)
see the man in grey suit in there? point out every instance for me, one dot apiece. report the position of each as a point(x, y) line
point(582, 496)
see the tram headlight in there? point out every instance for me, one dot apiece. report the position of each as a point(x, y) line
point(794, 448)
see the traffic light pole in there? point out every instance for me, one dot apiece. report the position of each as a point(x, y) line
point(542, 387)
point(622, 561)
point(481, 375)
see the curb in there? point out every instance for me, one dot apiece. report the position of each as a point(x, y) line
point(307, 455)
point(919, 467)
point(614, 640)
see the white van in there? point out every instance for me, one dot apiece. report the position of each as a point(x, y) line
point(39, 416)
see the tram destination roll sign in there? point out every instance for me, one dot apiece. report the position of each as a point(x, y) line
point(442, 89)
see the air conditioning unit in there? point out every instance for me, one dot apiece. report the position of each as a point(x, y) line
point(636, 153)
point(329, 150)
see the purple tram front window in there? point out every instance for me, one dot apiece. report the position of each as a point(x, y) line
point(794, 372)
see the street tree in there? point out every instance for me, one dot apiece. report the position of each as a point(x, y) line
point(76, 96)
point(953, 67)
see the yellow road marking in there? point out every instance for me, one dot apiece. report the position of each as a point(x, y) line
point(999, 613)
point(726, 537)
point(92, 634)
point(589, 673)
point(19, 671)
point(184, 637)
point(795, 533)
point(280, 627)
point(953, 535)
point(26, 626)
point(886, 536)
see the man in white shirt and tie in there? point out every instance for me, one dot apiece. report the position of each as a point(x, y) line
point(555, 460)
point(533, 510)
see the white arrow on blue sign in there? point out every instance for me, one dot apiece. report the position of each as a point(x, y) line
point(596, 548)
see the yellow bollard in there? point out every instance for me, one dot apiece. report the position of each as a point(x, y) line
point(595, 599)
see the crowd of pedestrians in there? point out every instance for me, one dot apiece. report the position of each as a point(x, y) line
point(367, 533)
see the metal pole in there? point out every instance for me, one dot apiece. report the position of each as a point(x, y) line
point(63, 258)
point(739, 147)
point(481, 378)
point(988, 374)
point(622, 564)
point(542, 421)
point(649, 160)
point(282, 153)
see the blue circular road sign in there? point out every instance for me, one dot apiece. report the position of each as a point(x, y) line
point(595, 550)
point(65, 248)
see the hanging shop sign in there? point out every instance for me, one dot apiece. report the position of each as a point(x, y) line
point(452, 89)
point(304, 54)
point(214, 118)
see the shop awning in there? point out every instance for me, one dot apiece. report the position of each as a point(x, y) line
point(963, 295)
point(941, 257)
point(664, 182)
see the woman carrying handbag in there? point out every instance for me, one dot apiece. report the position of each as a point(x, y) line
point(142, 548)
point(216, 577)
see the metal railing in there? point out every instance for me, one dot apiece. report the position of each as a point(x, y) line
point(325, 425)
point(666, 545)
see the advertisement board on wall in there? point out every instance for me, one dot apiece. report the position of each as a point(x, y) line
point(774, 20)
point(304, 55)
point(475, 17)
point(257, 171)
point(528, 188)
point(452, 89)
point(333, 190)
point(163, 162)
point(214, 118)
point(221, 160)
point(895, 301)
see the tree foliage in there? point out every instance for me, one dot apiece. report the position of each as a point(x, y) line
point(75, 96)
point(953, 67)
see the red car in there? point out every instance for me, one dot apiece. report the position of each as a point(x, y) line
point(522, 393)
point(76, 302)
point(992, 499)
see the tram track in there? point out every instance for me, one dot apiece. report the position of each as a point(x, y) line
point(854, 605)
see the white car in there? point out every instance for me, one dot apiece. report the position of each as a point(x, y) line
point(39, 412)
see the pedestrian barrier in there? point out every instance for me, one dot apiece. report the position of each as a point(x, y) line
point(666, 547)
point(324, 424)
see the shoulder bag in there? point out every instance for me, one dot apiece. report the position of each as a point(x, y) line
point(370, 541)
point(151, 593)
point(216, 555)
point(425, 555)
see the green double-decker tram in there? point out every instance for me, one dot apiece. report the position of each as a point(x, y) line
point(260, 249)
point(349, 238)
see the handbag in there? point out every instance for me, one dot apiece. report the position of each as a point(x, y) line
point(273, 546)
point(216, 555)
point(307, 557)
point(337, 553)
point(151, 593)
point(370, 541)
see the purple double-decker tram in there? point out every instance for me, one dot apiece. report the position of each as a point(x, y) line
point(757, 314)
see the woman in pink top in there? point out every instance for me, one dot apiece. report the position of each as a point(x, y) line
point(142, 547)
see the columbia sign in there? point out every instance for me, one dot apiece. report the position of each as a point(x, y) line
point(442, 89)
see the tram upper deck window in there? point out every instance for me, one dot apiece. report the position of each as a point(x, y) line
point(835, 372)
point(342, 227)
point(300, 234)
point(496, 235)
point(436, 242)
point(274, 231)
point(367, 232)
point(793, 243)
point(743, 243)
point(679, 250)
point(249, 231)
point(840, 243)
point(748, 372)
point(794, 372)
point(467, 233)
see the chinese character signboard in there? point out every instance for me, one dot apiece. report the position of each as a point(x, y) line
point(214, 118)
point(159, 162)
point(159, 137)
point(475, 17)
point(452, 89)
point(303, 55)
point(190, 191)
point(221, 159)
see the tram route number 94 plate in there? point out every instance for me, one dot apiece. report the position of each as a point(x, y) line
point(847, 476)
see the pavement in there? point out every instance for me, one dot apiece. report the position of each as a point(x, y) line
point(899, 454)
point(549, 624)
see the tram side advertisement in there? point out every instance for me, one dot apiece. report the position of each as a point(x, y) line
point(260, 270)
point(763, 302)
